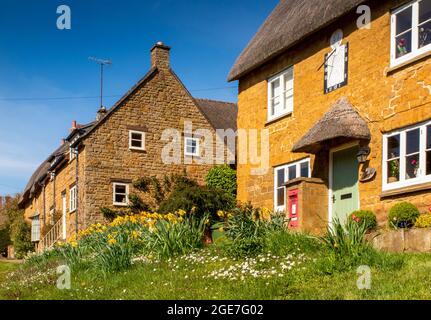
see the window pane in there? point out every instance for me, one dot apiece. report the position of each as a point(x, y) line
point(289, 102)
point(429, 137)
point(137, 143)
point(394, 147)
point(292, 172)
point(403, 44)
point(275, 88)
point(136, 136)
point(413, 141)
point(120, 189)
point(288, 81)
point(120, 198)
point(424, 34)
point(304, 170)
point(404, 20)
point(393, 171)
point(424, 10)
point(280, 177)
point(412, 167)
point(428, 170)
point(280, 197)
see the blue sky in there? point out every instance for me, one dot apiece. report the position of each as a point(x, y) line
point(46, 79)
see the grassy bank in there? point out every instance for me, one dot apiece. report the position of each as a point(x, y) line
point(5, 269)
point(152, 256)
point(207, 275)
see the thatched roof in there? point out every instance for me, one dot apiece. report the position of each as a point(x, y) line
point(289, 23)
point(342, 121)
point(221, 115)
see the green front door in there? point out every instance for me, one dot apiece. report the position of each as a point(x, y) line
point(345, 193)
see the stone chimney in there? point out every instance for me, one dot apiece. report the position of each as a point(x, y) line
point(101, 113)
point(160, 57)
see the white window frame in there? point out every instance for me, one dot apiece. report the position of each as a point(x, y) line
point(131, 147)
point(114, 193)
point(72, 154)
point(35, 229)
point(422, 176)
point(416, 51)
point(285, 110)
point(286, 176)
point(190, 154)
point(73, 199)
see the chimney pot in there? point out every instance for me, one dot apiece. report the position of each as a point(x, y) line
point(160, 56)
point(74, 124)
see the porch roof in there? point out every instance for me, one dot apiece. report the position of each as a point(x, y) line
point(342, 121)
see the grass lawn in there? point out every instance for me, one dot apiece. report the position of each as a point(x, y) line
point(6, 268)
point(207, 275)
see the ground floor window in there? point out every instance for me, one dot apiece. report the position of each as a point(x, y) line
point(285, 173)
point(121, 194)
point(73, 198)
point(407, 157)
point(35, 229)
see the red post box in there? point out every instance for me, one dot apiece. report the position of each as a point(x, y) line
point(293, 208)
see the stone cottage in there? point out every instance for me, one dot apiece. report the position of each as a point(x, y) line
point(344, 89)
point(97, 163)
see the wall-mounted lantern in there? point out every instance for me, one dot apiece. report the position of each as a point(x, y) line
point(363, 154)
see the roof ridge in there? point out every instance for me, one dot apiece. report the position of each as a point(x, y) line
point(213, 100)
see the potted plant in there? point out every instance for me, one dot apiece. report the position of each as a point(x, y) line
point(394, 171)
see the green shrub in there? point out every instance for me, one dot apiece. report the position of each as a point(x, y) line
point(5, 240)
point(201, 200)
point(403, 215)
point(424, 221)
point(366, 217)
point(224, 178)
point(21, 237)
point(159, 190)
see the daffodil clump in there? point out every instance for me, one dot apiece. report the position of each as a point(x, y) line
point(113, 246)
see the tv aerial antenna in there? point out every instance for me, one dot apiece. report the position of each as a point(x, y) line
point(102, 63)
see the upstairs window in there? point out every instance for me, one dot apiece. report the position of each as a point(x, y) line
point(280, 95)
point(73, 199)
point(121, 194)
point(407, 157)
point(136, 140)
point(191, 147)
point(72, 152)
point(283, 174)
point(411, 31)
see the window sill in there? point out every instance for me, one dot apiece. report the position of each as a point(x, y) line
point(72, 211)
point(406, 190)
point(402, 65)
point(122, 205)
point(138, 150)
point(272, 121)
